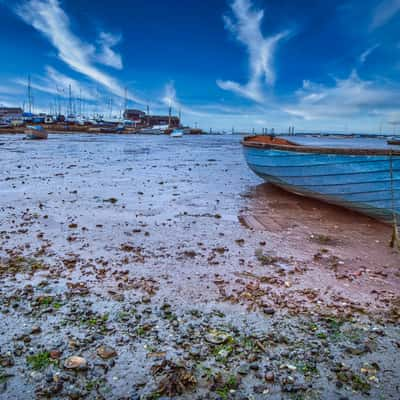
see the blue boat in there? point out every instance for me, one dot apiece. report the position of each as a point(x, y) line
point(365, 179)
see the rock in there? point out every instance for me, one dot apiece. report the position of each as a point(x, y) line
point(6, 361)
point(55, 354)
point(36, 329)
point(268, 310)
point(243, 369)
point(146, 299)
point(269, 376)
point(216, 337)
point(357, 350)
point(75, 362)
point(49, 390)
point(106, 352)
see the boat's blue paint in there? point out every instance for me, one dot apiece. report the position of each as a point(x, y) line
point(38, 128)
point(32, 137)
point(366, 183)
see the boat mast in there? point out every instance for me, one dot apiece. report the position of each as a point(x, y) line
point(169, 114)
point(125, 102)
point(69, 100)
point(30, 101)
point(80, 102)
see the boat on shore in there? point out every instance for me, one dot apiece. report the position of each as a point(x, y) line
point(35, 132)
point(154, 130)
point(176, 133)
point(362, 178)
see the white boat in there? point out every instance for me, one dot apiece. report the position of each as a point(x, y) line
point(177, 133)
point(154, 130)
point(35, 132)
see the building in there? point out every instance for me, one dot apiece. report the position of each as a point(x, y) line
point(134, 115)
point(9, 113)
point(143, 119)
point(152, 120)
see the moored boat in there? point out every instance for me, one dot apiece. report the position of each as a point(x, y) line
point(35, 132)
point(364, 179)
point(154, 130)
point(176, 133)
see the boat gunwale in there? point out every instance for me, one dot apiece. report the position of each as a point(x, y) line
point(247, 142)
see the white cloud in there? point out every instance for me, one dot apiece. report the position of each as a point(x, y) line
point(170, 99)
point(61, 81)
point(367, 53)
point(10, 90)
point(47, 17)
point(56, 83)
point(246, 26)
point(384, 12)
point(347, 98)
point(107, 55)
point(170, 96)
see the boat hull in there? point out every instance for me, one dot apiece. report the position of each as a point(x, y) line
point(177, 133)
point(366, 183)
point(34, 134)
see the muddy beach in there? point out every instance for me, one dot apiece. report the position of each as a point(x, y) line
point(139, 267)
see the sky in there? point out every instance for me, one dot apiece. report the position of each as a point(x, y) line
point(331, 65)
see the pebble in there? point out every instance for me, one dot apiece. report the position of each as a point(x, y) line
point(243, 369)
point(75, 362)
point(36, 329)
point(106, 352)
point(55, 354)
point(268, 311)
point(269, 377)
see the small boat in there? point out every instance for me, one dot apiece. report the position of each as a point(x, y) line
point(364, 178)
point(35, 132)
point(177, 133)
point(154, 130)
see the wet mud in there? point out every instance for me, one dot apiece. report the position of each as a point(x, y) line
point(137, 267)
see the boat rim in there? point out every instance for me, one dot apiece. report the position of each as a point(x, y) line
point(277, 143)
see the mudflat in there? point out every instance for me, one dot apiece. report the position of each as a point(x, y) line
point(143, 267)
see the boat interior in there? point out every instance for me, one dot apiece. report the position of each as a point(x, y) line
point(269, 140)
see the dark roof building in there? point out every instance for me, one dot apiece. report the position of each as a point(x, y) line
point(9, 112)
point(141, 118)
point(152, 120)
point(133, 115)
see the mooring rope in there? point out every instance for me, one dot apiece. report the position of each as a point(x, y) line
point(395, 241)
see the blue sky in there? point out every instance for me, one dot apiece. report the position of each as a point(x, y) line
point(315, 65)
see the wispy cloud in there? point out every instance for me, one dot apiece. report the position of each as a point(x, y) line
point(246, 26)
point(47, 17)
point(171, 100)
point(169, 97)
point(107, 55)
point(365, 54)
point(384, 12)
point(10, 90)
point(347, 98)
point(56, 83)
